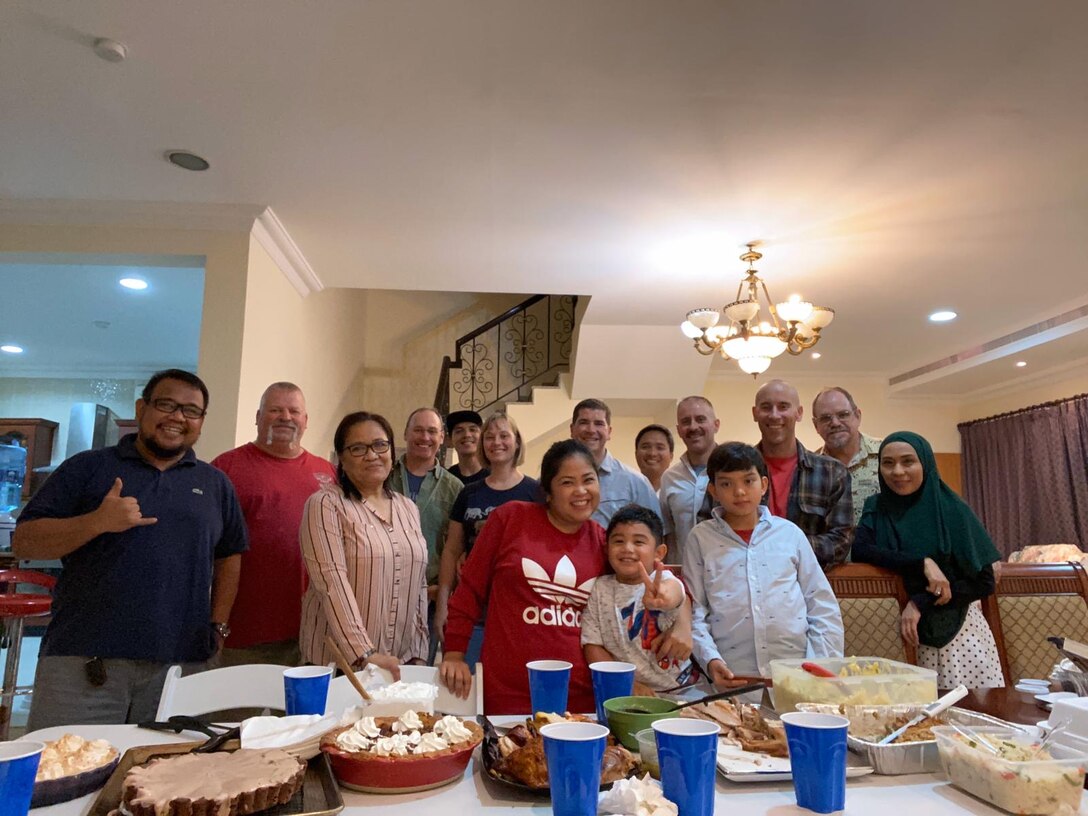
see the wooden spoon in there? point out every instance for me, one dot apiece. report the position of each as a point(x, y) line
point(345, 666)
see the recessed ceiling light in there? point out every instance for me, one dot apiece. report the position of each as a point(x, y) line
point(187, 160)
point(816, 355)
point(136, 284)
point(1020, 364)
point(11, 349)
point(942, 316)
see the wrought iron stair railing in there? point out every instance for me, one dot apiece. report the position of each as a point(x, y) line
point(503, 359)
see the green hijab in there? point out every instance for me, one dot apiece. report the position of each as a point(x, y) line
point(932, 522)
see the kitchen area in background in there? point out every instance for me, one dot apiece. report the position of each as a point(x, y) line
point(79, 337)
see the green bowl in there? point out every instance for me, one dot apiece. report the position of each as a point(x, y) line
point(626, 724)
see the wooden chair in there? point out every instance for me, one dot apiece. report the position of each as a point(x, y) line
point(871, 599)
point(1033, 602)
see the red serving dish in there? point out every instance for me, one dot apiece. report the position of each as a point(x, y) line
point(407, 774)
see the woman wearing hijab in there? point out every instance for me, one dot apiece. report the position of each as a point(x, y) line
point(920, 528)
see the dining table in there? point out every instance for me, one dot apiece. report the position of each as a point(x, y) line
point(476, 793)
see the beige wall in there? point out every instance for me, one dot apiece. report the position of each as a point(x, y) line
point(408, 333)
point(1044, 390)
point(225, 268)
point(315, 342)
point(881, 413)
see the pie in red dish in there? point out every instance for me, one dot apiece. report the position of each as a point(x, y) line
point(416, 751)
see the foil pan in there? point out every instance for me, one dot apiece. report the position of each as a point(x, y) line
point(869, 723)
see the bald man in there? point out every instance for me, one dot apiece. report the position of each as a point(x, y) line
point(810, 490)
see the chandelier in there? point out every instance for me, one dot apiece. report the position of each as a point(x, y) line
point(743, 336)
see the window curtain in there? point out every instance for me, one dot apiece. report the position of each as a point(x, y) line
point(1025, 474)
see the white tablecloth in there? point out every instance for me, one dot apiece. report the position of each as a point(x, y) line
point(891, 795)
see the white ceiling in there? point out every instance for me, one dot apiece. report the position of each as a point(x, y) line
point(894, 157)
point(51, 311)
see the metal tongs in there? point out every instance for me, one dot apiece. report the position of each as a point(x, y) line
point(217, 734)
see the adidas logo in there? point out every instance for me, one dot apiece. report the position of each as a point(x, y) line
point(566, 595)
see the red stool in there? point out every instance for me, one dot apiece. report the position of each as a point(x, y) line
point(16, 607)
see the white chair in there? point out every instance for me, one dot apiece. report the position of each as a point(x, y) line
point(256, 686)
point(342, 695)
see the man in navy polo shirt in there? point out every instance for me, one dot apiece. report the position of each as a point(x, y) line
point(151, 542)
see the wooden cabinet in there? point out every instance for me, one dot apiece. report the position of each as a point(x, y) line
point(36, 435)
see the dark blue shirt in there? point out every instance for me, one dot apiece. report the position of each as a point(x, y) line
point(474, 504)
point(144, 594)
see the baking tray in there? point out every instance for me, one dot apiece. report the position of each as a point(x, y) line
point(908, 757)
point(319, 795)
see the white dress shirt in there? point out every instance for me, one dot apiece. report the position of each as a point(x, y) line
point(758, 602)
point(683, 490)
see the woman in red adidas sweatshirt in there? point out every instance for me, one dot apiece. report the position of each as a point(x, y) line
point(532, 567)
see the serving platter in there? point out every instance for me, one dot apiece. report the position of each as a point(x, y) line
point(489, 756)
point(319, 795)
point(738, 765)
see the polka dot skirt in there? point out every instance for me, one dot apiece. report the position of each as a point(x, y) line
point(971, 658)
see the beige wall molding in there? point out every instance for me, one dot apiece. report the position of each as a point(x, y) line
point(285, 254)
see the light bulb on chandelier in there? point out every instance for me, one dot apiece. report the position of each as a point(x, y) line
point(738, 332)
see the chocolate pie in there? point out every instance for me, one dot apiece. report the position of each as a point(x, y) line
point(238, 783)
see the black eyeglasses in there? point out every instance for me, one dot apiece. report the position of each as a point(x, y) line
point(841, 416)
point(168, 406)
point(359, 449)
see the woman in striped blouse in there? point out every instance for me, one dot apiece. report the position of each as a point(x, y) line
point(366, 557)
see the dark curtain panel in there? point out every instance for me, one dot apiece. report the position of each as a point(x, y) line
point(1026, 474)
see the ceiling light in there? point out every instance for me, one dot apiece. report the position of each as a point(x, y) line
point(110, 50)
point(187, 160)
point(942, 316)
point(816, 355)
point(738, 333)
point(1020, 364)
point(136, 284)
point(11, 349)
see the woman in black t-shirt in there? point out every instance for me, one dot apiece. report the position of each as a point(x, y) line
point(502, 451)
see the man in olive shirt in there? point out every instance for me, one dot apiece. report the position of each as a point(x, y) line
point(838, 422)
point(418, 475)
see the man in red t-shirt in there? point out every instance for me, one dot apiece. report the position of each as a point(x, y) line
point(273, 476)
point(810, 490)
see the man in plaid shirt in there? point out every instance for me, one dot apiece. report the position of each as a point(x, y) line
point(810, 490)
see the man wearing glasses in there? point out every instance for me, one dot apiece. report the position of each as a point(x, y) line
point(838, 422)
point(151, 540)
point(273, 476)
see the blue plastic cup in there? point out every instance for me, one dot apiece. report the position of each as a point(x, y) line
point(611, 678)
point(18, 766)
point(549, 681)
point(817, 744)
point(574, 751)
point(306, 689)
point(687, 751)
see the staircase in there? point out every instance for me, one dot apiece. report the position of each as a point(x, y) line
point(501, 362)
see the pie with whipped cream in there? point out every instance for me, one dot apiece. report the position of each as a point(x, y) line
point(238, 783)
point(410, 736)
point(70, 755)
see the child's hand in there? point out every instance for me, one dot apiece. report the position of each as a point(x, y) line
point(655, 597)
point(719, 674)
point(642, 690)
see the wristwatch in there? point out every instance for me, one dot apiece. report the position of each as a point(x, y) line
point(363, 658)
point(221, 629)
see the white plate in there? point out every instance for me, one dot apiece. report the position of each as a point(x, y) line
point(737, 765)
point(1048, 700)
